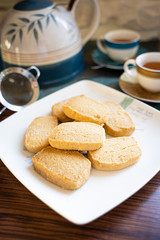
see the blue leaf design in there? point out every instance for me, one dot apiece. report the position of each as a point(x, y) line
point(47, 21)
point(40, 25)
point(13, 38)
point(26, 20)
point(30, 26)
point(39, 15)
point(20, 34)
point(14, 24)
point(53, 18)
point(10, 31)
point(35, 34)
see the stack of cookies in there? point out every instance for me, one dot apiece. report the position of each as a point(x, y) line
point(74, 138)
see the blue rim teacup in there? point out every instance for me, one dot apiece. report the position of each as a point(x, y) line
point(119, 44)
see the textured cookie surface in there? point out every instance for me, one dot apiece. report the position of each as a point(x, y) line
point(85, 109)
point(67, 169)
point(119, 122)
point(57, 110)
point(116, 153)
point(77, 136)
point(37, 134)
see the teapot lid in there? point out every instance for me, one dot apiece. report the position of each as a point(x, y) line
point(32, 5)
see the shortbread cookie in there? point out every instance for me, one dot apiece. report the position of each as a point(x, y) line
point(119, 123)
point(115, 154)
point(85, 109)
point(57, 110)
point(67, 169)
point(77, 136)
point(37, 134)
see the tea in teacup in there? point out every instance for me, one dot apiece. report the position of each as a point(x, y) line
point(123, 40)
point(152, 65)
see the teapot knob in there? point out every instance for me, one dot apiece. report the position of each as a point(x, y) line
point(72, 7)
point(32, 5)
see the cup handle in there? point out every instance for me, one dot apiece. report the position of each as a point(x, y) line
point(127, 68)
point(100, 45)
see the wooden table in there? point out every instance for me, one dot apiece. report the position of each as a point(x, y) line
point(23, 216)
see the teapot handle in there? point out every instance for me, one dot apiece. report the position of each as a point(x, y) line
point(70, 5)
point(95, 22)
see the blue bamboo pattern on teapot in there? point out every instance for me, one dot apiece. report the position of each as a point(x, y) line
point(32, 26)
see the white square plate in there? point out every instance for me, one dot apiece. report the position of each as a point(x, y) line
point(104, 190)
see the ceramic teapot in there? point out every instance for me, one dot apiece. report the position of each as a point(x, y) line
point(44, 34)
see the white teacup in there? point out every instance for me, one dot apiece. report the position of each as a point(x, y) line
point(147, 66)
point(119, 44)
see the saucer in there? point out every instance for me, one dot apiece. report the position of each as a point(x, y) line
point(132, 88)
point(103, 60)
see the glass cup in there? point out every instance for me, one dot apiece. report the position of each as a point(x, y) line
point(18, 87)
